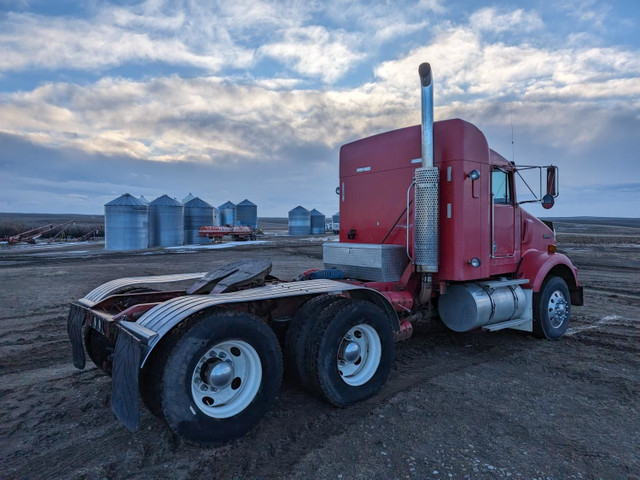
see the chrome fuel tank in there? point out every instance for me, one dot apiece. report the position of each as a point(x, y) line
point(472, 305)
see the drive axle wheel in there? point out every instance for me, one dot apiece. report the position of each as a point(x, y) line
point(359, 355)
point(298, 334)
point(226, 379)
point(350, 352)
point(551, 309)
point(220, 376)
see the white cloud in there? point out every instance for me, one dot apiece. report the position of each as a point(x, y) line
point(589, 12)
point(35, 41)
point(489, 19)
point(467, 67)
point(212, 36)
point(314, 51)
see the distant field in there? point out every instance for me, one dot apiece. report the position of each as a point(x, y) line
point(13, 223)
point(605, 221)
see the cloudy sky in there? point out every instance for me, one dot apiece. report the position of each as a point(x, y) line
point(253, 98)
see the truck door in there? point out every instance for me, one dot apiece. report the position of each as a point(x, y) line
point(503, 215)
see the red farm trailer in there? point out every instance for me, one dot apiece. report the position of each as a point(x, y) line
point(216, 233)
point(430, 224)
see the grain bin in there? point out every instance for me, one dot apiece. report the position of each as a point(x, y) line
point(299, 221)
point(143, 200)
point(317, 222)
point(335, 223)
point(197, 213)
point(166, 222)
point(227, 214)
point(247, 214)
point(188, 198)
point(126, 224)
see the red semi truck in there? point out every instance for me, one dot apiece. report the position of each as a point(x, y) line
point(429, 224)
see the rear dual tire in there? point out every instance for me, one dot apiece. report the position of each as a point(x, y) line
point(297, 337)
point(340, 349)
point(217, 377)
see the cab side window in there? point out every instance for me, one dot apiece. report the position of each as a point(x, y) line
point(501, 187)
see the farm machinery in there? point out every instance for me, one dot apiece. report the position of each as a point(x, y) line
point(430, 225)
point(30, 236)
point(237, 233)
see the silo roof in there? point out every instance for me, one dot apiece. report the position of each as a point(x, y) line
point(126, 199)
point(246, 203)
point(227, 205)
point(188, 198)
point(197, 202)
point(315, 212)
point(299, 209)
point(165, 200)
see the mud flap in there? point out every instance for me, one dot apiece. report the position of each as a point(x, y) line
point(74, 329)
point(125, 390)
point(577, 296)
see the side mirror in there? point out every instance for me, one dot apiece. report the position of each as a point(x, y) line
point(547, 201)
point(552, 184)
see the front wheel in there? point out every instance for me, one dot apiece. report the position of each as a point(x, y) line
point(350, 352)
point(221, 376)
point(551, 309)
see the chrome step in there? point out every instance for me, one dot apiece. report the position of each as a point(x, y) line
point(524, 324)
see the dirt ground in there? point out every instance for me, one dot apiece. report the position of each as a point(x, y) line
point(475, 405)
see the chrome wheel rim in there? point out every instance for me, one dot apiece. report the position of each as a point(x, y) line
point(557, 309)
point(226, 379)
point(359, 355)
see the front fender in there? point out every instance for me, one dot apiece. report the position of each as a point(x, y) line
point(536, 265)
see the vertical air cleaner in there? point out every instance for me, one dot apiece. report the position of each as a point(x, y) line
point(425, 240)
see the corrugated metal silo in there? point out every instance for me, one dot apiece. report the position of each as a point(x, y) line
point(227, 214)
point(166, 222)
point(247, 213)
point(317, 222)
point(126, 224)
point(197, 213)
point(188, 198)
point(299, 221)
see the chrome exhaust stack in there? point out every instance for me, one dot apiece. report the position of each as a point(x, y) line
point(426, 83)
point(425, 236)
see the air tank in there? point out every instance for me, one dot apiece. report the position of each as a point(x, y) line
point(227, 214)
point(126, 224)
point(247, 214)
point(197, 213)
point(166, 222)
point(317, 222)
point(299, 221)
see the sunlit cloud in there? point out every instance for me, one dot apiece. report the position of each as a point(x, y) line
point(279, 86)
